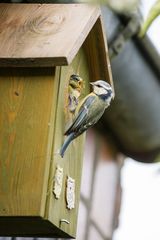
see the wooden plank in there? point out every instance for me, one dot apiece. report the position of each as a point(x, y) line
point(29, 227)
point(97, 54)
point(27, 106)
point(43, 34)
point(72, 161)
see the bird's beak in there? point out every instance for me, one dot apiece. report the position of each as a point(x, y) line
point(92, 83)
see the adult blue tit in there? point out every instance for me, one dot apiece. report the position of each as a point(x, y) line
point(74, 91)
point(89, 111)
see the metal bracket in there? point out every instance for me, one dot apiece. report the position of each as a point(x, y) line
point(127, 33)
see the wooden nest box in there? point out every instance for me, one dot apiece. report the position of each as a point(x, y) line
point(41, 46)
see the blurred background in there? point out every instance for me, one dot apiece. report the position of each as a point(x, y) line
point(120, 191)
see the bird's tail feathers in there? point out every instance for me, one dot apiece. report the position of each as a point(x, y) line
point(68, 140)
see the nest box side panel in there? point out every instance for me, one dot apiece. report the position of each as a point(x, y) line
point(97, 54)
point(57, 211)
point(27, 105)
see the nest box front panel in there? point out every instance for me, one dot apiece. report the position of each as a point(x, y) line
point(65, 173)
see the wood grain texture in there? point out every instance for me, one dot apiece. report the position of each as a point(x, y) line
point(43, 34)
point(72, 161)
point(33, 118)
point(27, 106)
point(97, 54)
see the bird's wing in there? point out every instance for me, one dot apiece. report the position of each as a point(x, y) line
point(82, 114)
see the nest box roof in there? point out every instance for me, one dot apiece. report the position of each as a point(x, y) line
point(51, 35)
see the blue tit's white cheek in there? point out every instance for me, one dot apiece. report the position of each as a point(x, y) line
point(96, 90)
point(99, 90)
point(102, 91)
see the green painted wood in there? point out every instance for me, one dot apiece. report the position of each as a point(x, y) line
point(26, 131)
point(33, 118)
point(72, 161)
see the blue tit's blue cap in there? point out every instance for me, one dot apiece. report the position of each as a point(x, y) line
point(101, 83)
